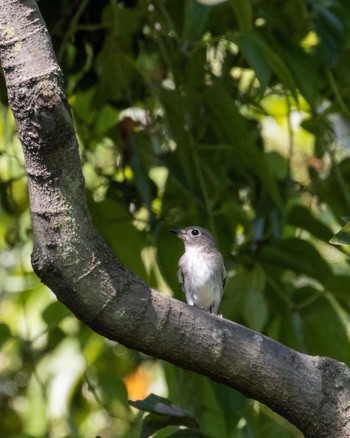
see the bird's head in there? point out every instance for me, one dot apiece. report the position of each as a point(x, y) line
point(195, 236)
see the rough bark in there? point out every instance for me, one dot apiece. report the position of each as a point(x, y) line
point(313, 393)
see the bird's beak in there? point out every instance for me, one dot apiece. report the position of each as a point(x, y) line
point(175, 231)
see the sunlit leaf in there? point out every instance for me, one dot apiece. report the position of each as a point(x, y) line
point(342, 237)
point(300, 216)
point(255, 58)
point(264, 60)
point(303, 69)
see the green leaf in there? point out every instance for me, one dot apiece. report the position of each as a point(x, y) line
point(289, 330)
point(83, 105)
point(5, 333)
point(324, 332)
point(139, 167)
point(111, 387)
point(55, 337)
point(187, 433)
point(253, 55)
point(151, 403)
point(244, 13)
point(196, 17)
point(106, 118)
point(342, 237)
point(276, 64)
point(232, 129)
point(339, 286)
point(54, 313)
point(123, 23)
point(303, 69)
point(26, 435)
point(73, 436)
point(278, 165)
point(244, 299)
point(163, 407)
point(301, 216)
point(167, 260)
point(162, 414)
point(263, 59)
point(117, 72)
point(194, 73)
point(174, 106)
point(114, 222)
point(255, 309)
point(332, 31)
point(197, 394)
point(235, 214)
point(297, 255)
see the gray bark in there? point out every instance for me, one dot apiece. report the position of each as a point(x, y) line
point(313, 393)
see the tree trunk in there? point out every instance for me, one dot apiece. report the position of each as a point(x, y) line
point(313, 393)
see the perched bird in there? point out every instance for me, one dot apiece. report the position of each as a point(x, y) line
point(201, 269)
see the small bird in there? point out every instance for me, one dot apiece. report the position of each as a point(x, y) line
point(201, 269)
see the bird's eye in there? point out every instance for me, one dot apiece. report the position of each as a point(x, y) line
point(195, 232)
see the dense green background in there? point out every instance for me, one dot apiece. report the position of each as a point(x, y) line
point(234, 117)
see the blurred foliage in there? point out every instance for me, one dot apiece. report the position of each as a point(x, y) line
point(233, 116)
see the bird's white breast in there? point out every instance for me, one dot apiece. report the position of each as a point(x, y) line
point(198, 264)
point(201, 279)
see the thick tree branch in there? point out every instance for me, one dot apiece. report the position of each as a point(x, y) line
point(70, 257)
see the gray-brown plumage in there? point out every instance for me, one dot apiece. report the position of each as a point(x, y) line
point(201, 269)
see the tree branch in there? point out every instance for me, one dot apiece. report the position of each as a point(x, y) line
point(71, 258)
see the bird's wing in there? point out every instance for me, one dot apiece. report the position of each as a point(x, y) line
point(223, 275)
point(180, 275)
point(181, 272)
